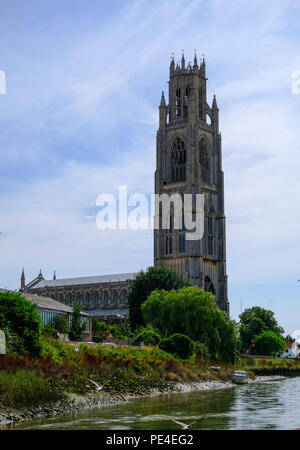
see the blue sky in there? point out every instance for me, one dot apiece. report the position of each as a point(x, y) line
point(79, 118)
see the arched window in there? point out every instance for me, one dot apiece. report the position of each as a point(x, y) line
point(169, 249)
point(96, 298)
point(115, 297)
point(210, 236)
point(188, 91)
point(208, 286)
point(178, 103)
point(87, 298)
point(200, 105)
point(70, 299)
point(204, 159)
point(124, 297)
point(178, 160)
point(105, 298)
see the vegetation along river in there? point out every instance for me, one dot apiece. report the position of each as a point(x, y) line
point(262, 405)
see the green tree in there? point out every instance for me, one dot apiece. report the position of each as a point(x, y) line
point(268, 343)
point(146, 282)
point(254, 321)
point(193, 312)
point(178, 344)
point(78, 325)
point(21, 317)
point(289, 339)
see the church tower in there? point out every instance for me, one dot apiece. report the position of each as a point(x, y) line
point(189, 161)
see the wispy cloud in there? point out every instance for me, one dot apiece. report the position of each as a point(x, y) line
point(80, 117)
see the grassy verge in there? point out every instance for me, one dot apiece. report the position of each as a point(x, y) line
point(127, 370)
point(282, 367)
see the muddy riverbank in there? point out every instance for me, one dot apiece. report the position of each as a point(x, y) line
point(75, 403)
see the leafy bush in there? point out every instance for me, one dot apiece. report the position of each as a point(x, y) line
point(53, 347)
point(148, 335)
point(144, 284)
point(201, 351)
point(49, 330)
point(268, 343)
point(14, 343)
point(62, 324)
point(101, 328)
point(177, 344)
point(22, 318)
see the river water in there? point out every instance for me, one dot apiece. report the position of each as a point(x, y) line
point(261, 405)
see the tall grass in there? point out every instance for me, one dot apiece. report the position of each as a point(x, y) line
point(24, 388)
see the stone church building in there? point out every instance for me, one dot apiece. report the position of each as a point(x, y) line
point(188, 161)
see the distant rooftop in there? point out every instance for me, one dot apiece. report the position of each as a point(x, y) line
point(84, 280)
point(46, 302)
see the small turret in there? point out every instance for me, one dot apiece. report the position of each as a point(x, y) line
point(214, 103)
point(40, 277)
point(162, 112)
point(182, 61)
point(195, 66)
point(215, 115)
point(203, 68)
point(54, 275)
point(23, 280)
point(172, 66)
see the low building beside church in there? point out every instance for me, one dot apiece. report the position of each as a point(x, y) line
point(50, 309)
point(104, 296)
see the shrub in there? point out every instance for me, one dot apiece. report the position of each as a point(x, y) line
point(62, 324)
point(22, 318)
point(148, 335)
point(14, 343)
point(201, 351)
point(52, 347)
point(49, 330)
point(178, 345)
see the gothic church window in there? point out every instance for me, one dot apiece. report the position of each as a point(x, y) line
point(169, 249)
point(204, 160)
point(178, 102)
point(210, 236)
point(178, 160)
point(208, 285)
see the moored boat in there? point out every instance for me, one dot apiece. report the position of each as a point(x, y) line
point(239, 377)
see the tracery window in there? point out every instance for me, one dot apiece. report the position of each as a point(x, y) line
point(178, 160)
point(169, 249)
point(178, 102)
point(210, 236)
point(208, 285)
point(204, 160)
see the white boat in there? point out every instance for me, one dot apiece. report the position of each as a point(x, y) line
point(239, 377)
